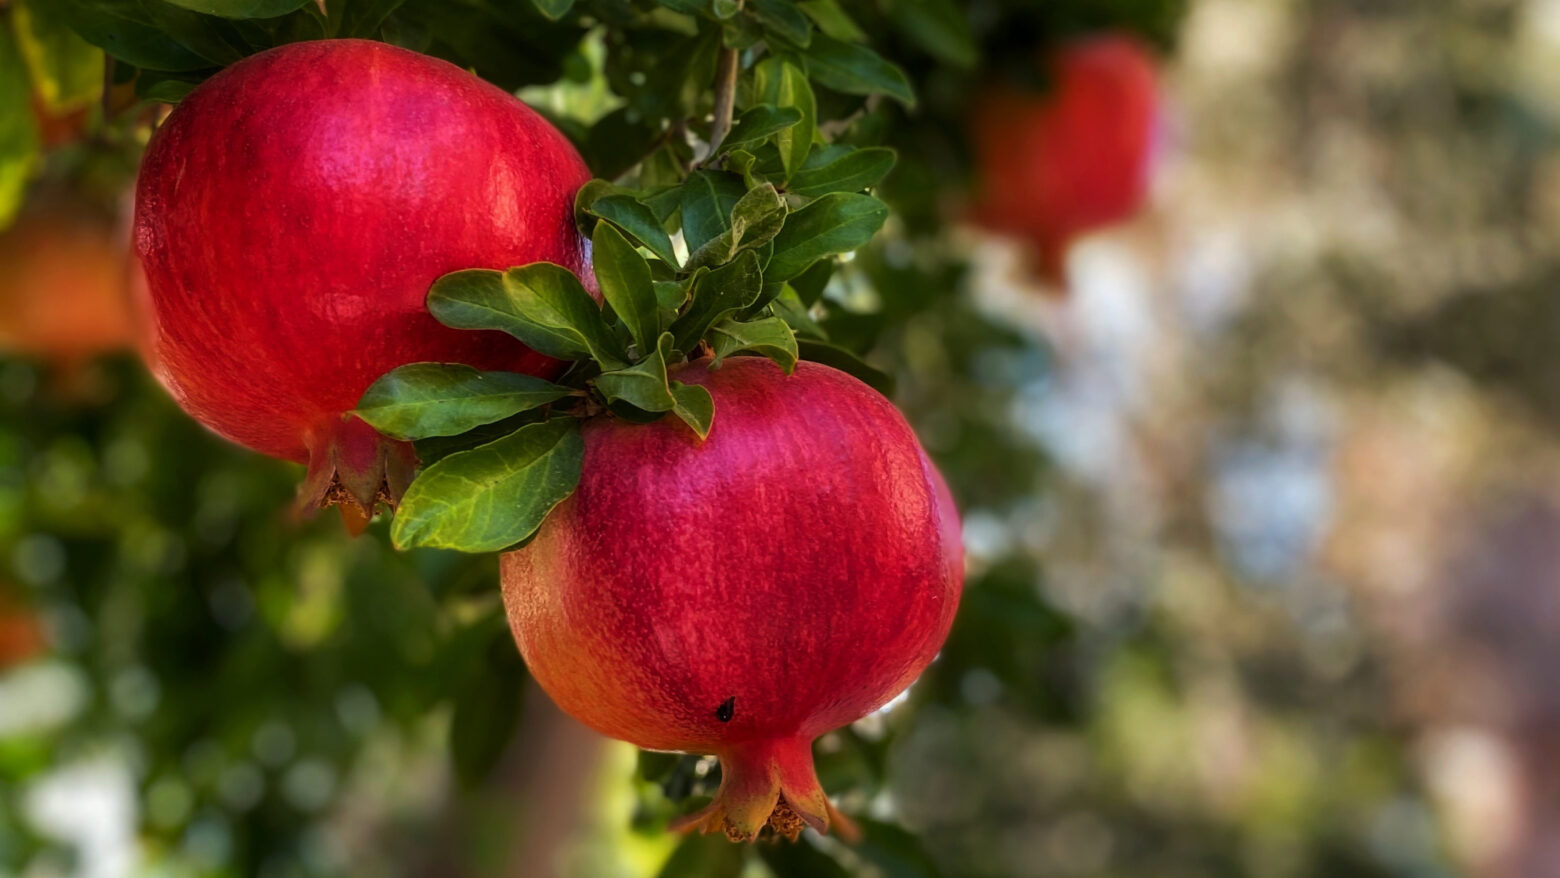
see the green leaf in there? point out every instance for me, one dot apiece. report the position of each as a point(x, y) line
point(895, 852)
point(643, 385)
point(18, 132)
point(542, 304)
point(719, 294)
point(837, 223)
point(553, 9)
point(488, 703)
point(707, 200)
point(420, 400)
point(241, 8)
point(66, 70)
point(833, 20)
point(857, 70)
point(724, 9)
point(938, 26)
point(810, 284)
point(707, 856)
point(757, 124)
point(755, 220)
point(625, 283)
point(784, 20)
point(695, 407)
point(852, 172)
point(670, 296)
point(833, 355)
point(769, 336)
point(788, 307)
point(784, 84)
point(122, 29)
point(494, 496)
point(800, 859)
point(602, 200)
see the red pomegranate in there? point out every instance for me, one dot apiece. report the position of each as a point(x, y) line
point(1054, 165)
point(743, 595)
point(21, 632)
point(62, 283)
point(291, 215)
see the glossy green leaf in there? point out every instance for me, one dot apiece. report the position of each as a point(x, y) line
point(852, 172)
point(241, 8)
point(724, 9)
point(757, 124)
point(854, 69)
point(769, 336)
point(18, 132)
point(784, 84)
point(815, 351)
point(602, 200)
point(542, 304)
point(420, 400)
point(553, 9)
point(626, 284)
point(782, 19)
point(707, 200)
point(66, 70)
point(810, 284)
point(643, 385)
point(837, 223)
point(694, 406)
point(719, 294)
point(494, 496)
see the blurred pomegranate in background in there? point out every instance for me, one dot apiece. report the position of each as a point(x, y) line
point(62, 283)
point(1055, 164)
point(21, 636)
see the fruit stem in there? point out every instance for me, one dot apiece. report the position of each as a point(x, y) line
point(725, 97)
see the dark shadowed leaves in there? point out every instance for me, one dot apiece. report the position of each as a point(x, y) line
point(828, 354)
point(719, 294)
point(488, 705)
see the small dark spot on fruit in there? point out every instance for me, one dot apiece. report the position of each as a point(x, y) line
point(727, 709)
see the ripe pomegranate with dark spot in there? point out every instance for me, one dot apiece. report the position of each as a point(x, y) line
point(1076, 157)
point(291, 215)
point(743, 595)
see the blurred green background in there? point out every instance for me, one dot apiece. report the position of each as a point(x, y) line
point(1260, 512)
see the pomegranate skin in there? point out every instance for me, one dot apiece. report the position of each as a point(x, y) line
point(291, 215)
point(62, 284)
point(743, 595)
point(1055, 165)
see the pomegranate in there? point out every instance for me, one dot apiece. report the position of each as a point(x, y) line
point(292, 213)
point(743, 595)
point(21, 634)
point(1053, 166)
point(62, 283)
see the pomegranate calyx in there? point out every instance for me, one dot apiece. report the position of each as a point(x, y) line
point(768, 785)
point(353, 465)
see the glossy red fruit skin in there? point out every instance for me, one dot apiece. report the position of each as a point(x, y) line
point(292, 213)
point(1054, 165)
point(802, 564)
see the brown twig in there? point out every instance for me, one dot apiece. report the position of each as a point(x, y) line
point(725, 97)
